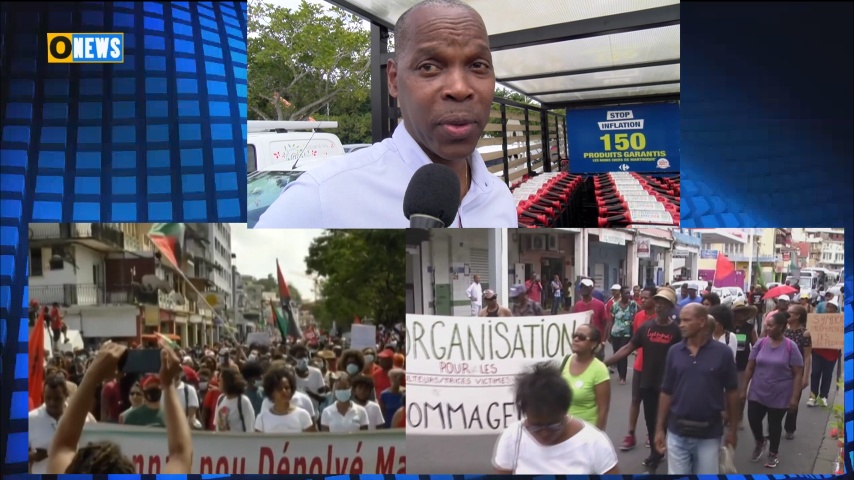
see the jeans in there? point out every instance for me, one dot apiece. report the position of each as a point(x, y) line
point(649, 397)
point(756, 414)
point(555, 305)
point(622, 365)
point(821, 376)
point(692, 456)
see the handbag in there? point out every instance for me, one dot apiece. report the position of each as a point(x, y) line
point(726, 460)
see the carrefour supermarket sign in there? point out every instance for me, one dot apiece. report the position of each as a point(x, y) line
point(635, 138)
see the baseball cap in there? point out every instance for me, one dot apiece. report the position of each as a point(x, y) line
point(834, 302)
point(805, 295)
point(386, 353)
point(517, 290)
point(587, 282)
point(151, 381)
point(666, 294)
point(616, 286)
point(784, 298)
point(488, 294)
point(693, 286)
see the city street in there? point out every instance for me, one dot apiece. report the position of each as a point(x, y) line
point(472, 454)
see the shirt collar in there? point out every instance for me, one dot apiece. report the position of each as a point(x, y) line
point(413, 156)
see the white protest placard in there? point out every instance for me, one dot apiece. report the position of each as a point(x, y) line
point(378, 451)
point(363, 336)
point(259, 338)
point(827, 330)
point(460, 371)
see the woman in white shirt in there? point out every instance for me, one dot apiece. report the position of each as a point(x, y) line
point(723, 325)
point(343, 416)
point(363, 385)
point(234, 411)
point(283, 417)
point(548, 440)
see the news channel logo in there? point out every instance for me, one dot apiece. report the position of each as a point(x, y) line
point(85, 48)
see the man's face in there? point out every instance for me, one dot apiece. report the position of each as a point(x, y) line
point(444, 82)
point(54, 401)
point(662, 307)
point(782, 305)
point(684, 291)
point(477, 279)
point(586, 291)
point(691, 322)
point(646, 300)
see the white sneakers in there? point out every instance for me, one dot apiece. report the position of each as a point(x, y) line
point(821, 402)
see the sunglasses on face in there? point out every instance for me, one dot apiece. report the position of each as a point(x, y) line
point(580, 336)
point(554, 427)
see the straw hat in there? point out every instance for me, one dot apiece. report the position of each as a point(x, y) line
point(740, 306)
point(667, 294)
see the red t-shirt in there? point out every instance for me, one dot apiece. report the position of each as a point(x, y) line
point(55, 319)
point(640, 318)
point(210, 402)
point(381, 381)
point(826, 353)
point(111, 397)
point(535, 291)
point(598, 320)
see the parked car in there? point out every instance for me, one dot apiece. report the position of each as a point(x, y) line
point(725, 295)
point(265, 186)
point(272, 143)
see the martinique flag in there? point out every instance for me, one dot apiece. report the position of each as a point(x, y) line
point(169, 239)
point(37, 357)
point(285, 298)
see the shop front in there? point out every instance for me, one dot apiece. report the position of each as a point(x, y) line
point(654, 249)
point(607, 256)
point(544, 254)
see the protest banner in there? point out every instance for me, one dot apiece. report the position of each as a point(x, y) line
point(259, 338)
point(827, 330)
point(363, 336)
point(380, 451)
point(461, 371)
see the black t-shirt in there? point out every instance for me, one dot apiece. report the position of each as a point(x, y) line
point(742, 335)
point(655, 340)
point(756, 300)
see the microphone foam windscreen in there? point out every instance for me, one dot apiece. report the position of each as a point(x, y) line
point(435, 191)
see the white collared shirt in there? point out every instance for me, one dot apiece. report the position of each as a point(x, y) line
point(365, 189)
point(475, 293)
point(42, 428)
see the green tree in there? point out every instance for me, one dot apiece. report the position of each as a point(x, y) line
point(270, 284)
point(362, 273)
point(302, 60)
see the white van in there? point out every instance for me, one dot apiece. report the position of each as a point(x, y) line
point(272, 143)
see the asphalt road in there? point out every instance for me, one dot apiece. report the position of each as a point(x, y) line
point(472, 454)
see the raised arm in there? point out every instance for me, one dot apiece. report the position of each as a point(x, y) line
point(178, 438)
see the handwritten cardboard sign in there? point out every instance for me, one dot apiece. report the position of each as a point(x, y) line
point(827, 330)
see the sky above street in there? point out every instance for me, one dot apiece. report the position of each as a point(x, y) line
point(257, 251)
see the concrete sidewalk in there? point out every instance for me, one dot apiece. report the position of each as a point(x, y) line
point(828, 452)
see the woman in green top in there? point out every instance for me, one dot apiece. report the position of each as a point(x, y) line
point(623, 314)
point(588, 378)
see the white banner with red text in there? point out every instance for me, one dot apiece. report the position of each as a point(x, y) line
point(460, 371)
point(380, 451)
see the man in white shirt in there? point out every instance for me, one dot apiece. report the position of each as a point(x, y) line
point(189, 399)
point(309, 378)
point(443, 79)
point(475, 294)
point(43, 420)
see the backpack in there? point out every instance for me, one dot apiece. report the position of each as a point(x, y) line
point(239, 408)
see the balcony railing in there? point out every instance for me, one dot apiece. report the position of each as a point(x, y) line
point(79, 294)
point(104, 233)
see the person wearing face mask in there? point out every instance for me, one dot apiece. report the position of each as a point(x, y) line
point(149, 413)
point(253, 374)
point(352, 362)
point(344, 416)
point(209, 403)
point(385, 362)
point(371, 366)
point(309, 377)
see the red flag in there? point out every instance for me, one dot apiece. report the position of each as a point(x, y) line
point(724, 267)
point(356, 320)
point(37, 354)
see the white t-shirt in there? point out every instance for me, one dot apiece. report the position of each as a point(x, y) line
point(187, 396)
point(312, 383)
point(365, 189)
point(227, 415)
point(296, 421)
point(352, 421)
point(375, 415)
point(588, 452)
point(732, 344)
point(41, 429)
point(475, 293)
point(298, 399)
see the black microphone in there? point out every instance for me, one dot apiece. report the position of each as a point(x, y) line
point(432, 197)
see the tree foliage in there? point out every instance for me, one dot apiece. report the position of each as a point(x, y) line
point(300, 61)
point(362, 273)
point(270, 284)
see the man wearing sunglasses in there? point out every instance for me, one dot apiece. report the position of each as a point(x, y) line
point(493, 309)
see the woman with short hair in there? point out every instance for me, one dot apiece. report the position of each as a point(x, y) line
point(548, 440)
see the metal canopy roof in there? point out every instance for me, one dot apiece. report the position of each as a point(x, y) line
point(575, 53)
